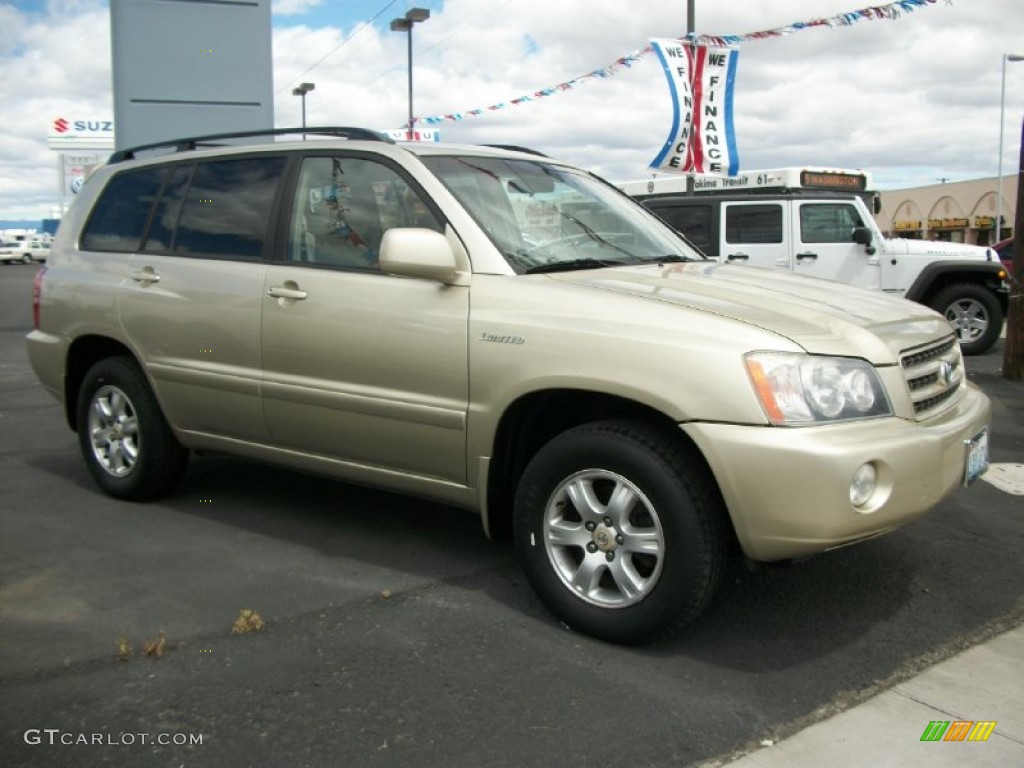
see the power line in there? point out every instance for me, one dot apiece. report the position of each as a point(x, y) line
point(450, 36)
point(489, 13)
point(331, 52)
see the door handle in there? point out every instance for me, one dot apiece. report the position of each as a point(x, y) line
point(145, 276)
point(286, 292)
point(807, 255)
point(738, 257)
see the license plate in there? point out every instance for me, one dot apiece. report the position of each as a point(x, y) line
point(976, 460)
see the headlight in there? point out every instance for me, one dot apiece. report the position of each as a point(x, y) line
point(807, 389)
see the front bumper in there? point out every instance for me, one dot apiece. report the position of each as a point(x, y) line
point(787, 489)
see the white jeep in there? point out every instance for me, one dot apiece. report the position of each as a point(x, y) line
point(815, 222)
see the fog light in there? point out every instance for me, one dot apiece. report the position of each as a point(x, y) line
point(863, 485)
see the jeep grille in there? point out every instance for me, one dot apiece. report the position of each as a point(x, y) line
point(934, 373)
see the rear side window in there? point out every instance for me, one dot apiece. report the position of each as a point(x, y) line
point(165, 218)
point(119, 217)
point(227, 209)
point(753, 224)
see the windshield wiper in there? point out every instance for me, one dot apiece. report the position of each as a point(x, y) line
point(568, 266)
point(666, 259)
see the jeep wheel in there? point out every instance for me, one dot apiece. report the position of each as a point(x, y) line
point(621, 530)
point(975, 314)
point(127, 445)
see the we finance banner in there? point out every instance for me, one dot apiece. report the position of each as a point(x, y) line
point(701, 80)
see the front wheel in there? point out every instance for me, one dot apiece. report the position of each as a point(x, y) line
point(621, 529)
point(974, 313)
point(125, 440)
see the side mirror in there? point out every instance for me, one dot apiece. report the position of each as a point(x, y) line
point(862, 236)
point(416, 252)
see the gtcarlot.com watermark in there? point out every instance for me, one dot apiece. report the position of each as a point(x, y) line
point(55, 736)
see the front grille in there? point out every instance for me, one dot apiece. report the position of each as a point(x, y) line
point(934, 374)
point(912, 359)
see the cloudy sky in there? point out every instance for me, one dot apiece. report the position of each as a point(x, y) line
point(914, 100)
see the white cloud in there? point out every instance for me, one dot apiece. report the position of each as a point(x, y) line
point(912, 100)
point(294, 7)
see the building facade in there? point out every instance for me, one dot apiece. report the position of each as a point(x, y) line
point(958, 211)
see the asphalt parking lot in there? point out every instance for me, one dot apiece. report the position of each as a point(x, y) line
point(395, 634)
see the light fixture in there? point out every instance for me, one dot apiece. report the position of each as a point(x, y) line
point(301, 90)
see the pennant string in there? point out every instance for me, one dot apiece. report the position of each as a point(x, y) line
point(890, 12)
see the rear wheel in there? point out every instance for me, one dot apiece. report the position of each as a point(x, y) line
point(125, 440)
point(621, 529)
point(974, 313)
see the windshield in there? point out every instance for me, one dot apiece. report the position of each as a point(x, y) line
point(546, 218)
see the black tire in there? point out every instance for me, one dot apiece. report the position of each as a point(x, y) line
point(667, 500)
point(127, 445)
point(975, 314)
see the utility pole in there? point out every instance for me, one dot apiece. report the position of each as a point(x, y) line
point(1013, 351)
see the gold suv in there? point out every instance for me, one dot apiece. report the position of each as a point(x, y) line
point(503, 332)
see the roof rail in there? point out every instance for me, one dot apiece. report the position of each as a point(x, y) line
point(217, 139)
point(515, 148)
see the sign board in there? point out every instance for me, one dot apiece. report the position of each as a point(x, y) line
point(701, 81)
point(191, 69)
point(75, 169)
point(70, 131)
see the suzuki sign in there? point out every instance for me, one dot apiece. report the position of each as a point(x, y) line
point(80, 133)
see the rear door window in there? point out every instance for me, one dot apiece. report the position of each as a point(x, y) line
point(227, 209)
point(753, 224)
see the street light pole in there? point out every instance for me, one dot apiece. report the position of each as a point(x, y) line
point(1002, 114)
point(302, 90)
point(405, 24)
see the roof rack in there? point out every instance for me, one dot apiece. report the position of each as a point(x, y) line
point(217, 139)
point(515, 148)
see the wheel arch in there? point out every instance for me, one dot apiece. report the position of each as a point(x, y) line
point(85, 352)
point(534, 419)
point(941, 274)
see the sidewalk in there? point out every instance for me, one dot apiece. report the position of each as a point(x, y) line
point(985, 682)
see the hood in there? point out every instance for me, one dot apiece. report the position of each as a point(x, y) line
point(821, 316)
point(937, 249)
